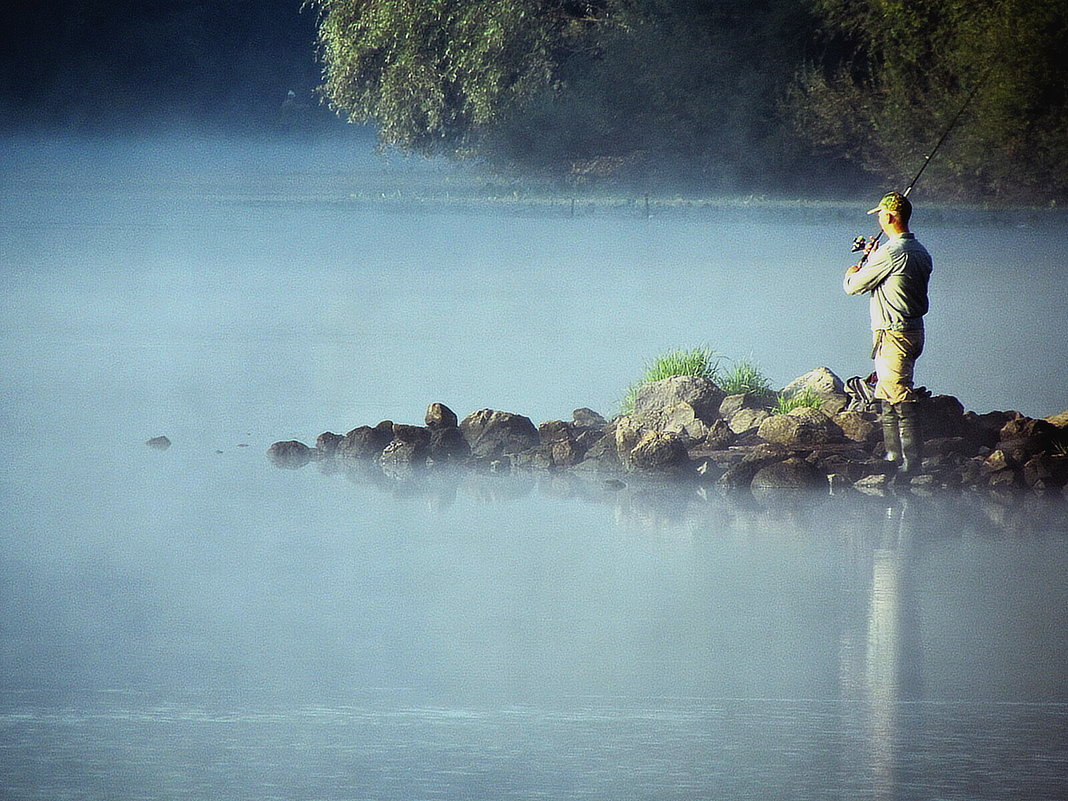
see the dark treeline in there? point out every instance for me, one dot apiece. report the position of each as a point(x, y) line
point(726, 95)
point(731, 94)
point(102, 65)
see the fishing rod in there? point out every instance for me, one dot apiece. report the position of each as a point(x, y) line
point(868, 245)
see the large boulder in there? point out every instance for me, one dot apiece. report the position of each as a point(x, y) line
point(792, 473)
point(682, 419)
point(857, 427)
point(825, 385)
point(942, 416)
point(588, 418)
point(1046, 471)
point(628, 430)
point(327, 443)
point(438, 415)
point(740, 475)
point(747, 421)
point(565, 443)
point(719, 436)
point(410, 446)
point(1059, 420)
point(492, 434)
point(659, 452)
point(803, 427)
point(602, 455)
point(654, 399)
point(1025, 437)
point(985, 429)
point(366, 442)
point(448, 444)
point(732, 404)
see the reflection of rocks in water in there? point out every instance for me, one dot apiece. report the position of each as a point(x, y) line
point(656, 504)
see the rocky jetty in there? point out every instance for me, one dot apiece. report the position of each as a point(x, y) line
point(688, 428)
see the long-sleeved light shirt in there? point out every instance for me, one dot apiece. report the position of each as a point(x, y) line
point(896, 275)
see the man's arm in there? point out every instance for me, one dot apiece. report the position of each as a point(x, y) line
point(859, 279)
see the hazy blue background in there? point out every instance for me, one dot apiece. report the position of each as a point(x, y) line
point(183, 255)
point(195, 623)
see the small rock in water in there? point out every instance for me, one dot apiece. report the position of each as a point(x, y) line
point(159, 443)
point(289, 454)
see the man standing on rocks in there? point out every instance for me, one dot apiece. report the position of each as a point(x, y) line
point(896, 276)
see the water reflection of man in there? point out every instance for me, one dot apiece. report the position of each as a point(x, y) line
point(896, 275)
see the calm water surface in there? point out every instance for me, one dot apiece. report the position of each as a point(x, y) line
point(194, 623)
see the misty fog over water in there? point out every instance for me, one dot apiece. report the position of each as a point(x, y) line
point(195, 623)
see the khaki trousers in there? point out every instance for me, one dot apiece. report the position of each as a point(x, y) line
point(895, 354)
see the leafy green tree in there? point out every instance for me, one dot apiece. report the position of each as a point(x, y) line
point(431, 73)
point(899, 71)
point(614, 86)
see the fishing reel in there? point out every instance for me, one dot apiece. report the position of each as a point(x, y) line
point(859, 244)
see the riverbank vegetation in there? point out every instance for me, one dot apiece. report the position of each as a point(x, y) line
point(730, 96)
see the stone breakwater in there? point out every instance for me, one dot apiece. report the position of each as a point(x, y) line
point(688, 428)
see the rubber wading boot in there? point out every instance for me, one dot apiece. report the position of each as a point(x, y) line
point(891, 434)
point(911, 442)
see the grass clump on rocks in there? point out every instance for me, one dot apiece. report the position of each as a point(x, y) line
point(702, 362)
point(745, 377)
point(787, 403)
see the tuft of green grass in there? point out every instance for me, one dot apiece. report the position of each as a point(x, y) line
point(787, 403)
point(701, 361)
point(745, 376)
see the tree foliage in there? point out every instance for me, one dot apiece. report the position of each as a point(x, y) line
point(563, 86)
point(430, 73)
point(735, 94)
point(914, 65)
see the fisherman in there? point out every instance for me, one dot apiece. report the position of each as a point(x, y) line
point(896, 276)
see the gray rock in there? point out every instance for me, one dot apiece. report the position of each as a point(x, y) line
point(701, 394)
point(823, 383)
point(628, 432)
point(438, 415)
point(404, 454)
point(746, 421)
point(602, 455)
point(448, 444)
point(554, 431)
point(540, 457)
point(327, 443)
point(681, 419)
point(719, 435)
point(1025, 437)
point(741, 474)
point(588, 418)
point(365, 442)
point(857, 427)
point(659, 452)
point(494, 434)
point(159, 443)
point(732, 404)
point(801, 430)
point(289, 454)
point(792, 473)
point(567, 453)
